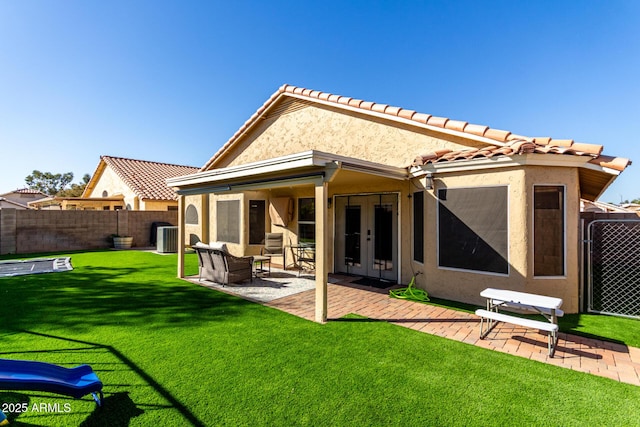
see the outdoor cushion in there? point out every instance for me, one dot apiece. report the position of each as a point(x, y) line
point(219, 246)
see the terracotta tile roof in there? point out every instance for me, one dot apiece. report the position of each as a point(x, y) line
point(27, 191)
point(524, 147)
point(11, 202)
point(148, 179)
point(505, 142)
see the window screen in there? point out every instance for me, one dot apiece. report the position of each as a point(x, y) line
point(472, 229)
point(228, 220)
point(548, 230)
point(418, 226)
point(256, 222)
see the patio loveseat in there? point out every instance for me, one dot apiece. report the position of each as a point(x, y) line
point(218, 265)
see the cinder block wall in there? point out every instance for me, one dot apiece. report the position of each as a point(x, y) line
point(31, 231)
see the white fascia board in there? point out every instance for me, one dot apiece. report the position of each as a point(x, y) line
point(306, 159)
point(278, 164)
point(401, 120)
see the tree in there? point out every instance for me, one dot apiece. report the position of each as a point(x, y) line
point(48, 182)
point(76, 190)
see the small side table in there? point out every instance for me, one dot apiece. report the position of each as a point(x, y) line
point(261, 260)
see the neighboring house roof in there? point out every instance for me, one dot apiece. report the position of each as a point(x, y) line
point(84, 202)
point(29, 193)
point(145, 178)
point(11, 202)
point(597, 206)
point(22, 196)
point(25, 191)
point(633, 207)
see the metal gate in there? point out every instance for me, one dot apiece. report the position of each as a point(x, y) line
point(613, 267)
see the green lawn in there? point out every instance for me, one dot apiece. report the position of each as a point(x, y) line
point(173, 353)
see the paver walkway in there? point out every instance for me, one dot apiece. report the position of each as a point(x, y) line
point(597, 357)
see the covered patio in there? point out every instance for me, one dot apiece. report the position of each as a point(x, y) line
point(312, 174)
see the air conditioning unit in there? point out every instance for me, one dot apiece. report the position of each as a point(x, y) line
point(167, 239)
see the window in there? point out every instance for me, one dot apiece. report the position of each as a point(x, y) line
point(105, 194)
point(418, 226)
point(548, 230)
point(256, 222)
point(228, 220)
point(172, 208)
point(191, 215)
point(473, 229)
point(307, 220)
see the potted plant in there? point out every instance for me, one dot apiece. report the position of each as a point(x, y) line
point(122, 242)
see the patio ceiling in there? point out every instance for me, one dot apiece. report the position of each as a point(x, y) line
point(303, 168)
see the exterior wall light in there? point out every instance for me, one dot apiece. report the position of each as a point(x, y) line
point(429, 181)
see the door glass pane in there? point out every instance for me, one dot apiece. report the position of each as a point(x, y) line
point(352, 236)
point(383, 244)
point(256, 222)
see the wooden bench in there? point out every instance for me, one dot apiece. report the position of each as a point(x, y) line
point(493, 317)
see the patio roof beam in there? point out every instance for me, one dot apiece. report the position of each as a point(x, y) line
point(257, 184)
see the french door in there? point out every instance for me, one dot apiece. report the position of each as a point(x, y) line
point(366, 241)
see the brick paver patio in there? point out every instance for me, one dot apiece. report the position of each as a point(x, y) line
point(597, 357)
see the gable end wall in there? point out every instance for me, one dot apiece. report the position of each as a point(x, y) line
point(321, 128)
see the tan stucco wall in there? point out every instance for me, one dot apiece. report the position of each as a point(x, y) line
point(157, 205)
point(110, 182)
point(194, 232)
point(343, 133)
point(466, 286)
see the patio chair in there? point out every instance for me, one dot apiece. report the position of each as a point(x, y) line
point(273, 246)
point(305, 257)
point(217, 265)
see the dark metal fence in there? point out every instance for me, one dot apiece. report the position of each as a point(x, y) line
point(613, 267)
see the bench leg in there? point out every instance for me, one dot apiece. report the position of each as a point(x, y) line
point(490, 326)
point(553, 341)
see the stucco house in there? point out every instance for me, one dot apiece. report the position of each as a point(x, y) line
point(121, 183)
point(387, 192)
point(141, 183)
point(20, 198)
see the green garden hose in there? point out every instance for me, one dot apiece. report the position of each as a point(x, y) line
point(410, 292)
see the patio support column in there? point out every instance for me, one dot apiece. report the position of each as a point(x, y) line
point(181, 233)
point(321, 250)
point(204, 215)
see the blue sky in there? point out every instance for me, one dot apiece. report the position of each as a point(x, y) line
point(171, 81)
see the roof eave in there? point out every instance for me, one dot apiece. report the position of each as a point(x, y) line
point(594, 179)
point(307, 160)
point(91, 185)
